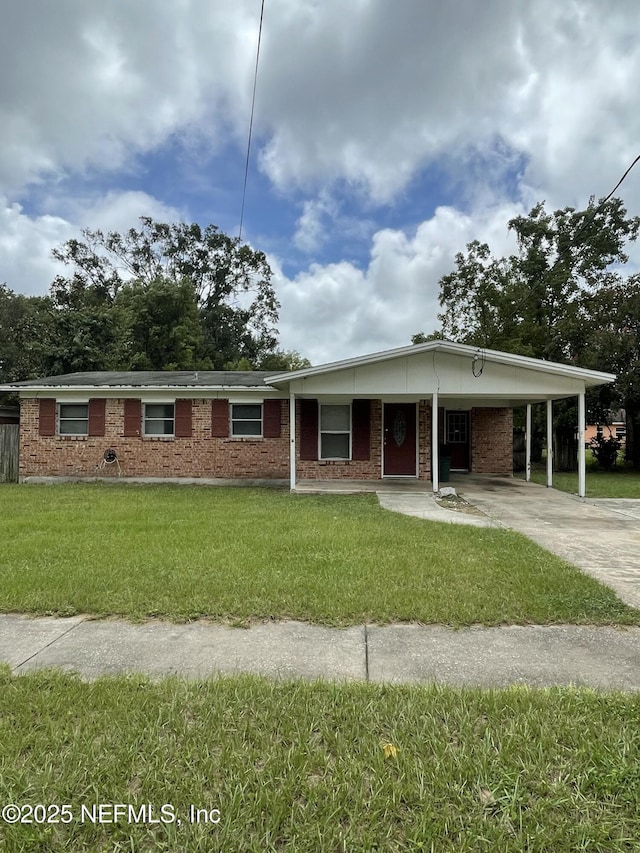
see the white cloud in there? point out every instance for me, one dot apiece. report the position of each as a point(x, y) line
point(25, 248)
point(337, 311)
point(312, 227)
point(26, 241)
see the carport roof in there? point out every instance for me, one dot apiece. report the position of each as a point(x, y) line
point(590, 378)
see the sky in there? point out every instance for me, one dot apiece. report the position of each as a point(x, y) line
point(387, 135)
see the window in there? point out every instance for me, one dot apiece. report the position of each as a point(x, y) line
point(73, 419)
point(246, 419)
point(335, 432)
point(159, 419)
point(621, 432)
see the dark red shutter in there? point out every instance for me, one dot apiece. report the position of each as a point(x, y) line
point(220, 418)
point(97, 409)
point(308, 429)
point(47, 416)
point(183, 425)
point(132, 417)
point(361, 426)
point(272, 420)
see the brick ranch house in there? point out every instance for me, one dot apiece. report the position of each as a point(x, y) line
point(388, 414)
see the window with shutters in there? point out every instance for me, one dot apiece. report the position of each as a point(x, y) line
point(159, 419)
point(73, 419)
point(335, 431)
point(246, 420)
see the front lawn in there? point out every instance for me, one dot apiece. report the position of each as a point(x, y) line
point(241, 554)
point(294, 766)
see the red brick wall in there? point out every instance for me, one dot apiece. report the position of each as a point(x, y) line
point(492, 441)
point(197, 456)
point(424, 439)
point(201, 455)
point(348, 469)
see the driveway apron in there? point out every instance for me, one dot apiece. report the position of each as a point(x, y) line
point(600, 537)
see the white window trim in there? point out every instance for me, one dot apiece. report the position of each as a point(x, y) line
point(144, 419)
point(61, 419)
point(322, 432)
point(233, 420)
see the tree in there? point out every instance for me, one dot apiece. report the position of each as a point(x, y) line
point(549, 300)
point(231, 284)
point(159, 326)
point(611, 318)
point(23, 328)
point(529, 303)
point(284, 360)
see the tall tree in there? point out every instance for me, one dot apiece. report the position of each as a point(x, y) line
point(529, 302)
point(611, 317)
point(237, 306)
point(548, 299)
point(24, 324)
point(159, 326)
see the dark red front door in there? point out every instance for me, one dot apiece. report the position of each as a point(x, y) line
point(399, 440)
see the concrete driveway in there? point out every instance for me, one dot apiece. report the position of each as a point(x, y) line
point(600, 537)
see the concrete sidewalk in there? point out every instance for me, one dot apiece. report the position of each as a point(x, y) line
point(541, 656)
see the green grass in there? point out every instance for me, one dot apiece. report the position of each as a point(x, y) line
point(242, 554)
point(296, 766)
point(621, 482)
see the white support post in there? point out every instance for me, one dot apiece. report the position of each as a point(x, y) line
point(582, 461)
point(292, 441)
point(527, 437)
point(549, 443)
point(435, 462)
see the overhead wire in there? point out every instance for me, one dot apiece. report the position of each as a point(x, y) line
point(253, 104)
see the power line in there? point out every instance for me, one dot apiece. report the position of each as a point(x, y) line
point(253, 103)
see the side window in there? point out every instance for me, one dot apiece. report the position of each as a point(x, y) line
point(159, 419)
point(246, 419)
point(73, 418)
point(335, 432)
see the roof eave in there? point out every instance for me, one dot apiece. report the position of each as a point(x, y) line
point(89, 388)
point(591, 377)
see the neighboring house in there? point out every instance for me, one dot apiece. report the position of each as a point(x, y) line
point(616, 427)
point(388, 414)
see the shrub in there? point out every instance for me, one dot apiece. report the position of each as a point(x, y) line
point(605, 450)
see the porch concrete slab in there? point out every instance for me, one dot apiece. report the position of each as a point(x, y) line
point(22, 637)
point(601, 538)
point(351, 487)
point(198, 650)
point(540, 656)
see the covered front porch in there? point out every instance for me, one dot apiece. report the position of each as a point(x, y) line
point(395, 413)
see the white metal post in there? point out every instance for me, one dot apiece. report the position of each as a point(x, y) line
point(582, 461)
point(292, 441)
point(435, 462)
point(527, 437)
point(549, 443)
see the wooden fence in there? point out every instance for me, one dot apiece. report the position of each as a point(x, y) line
point(9, 452)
